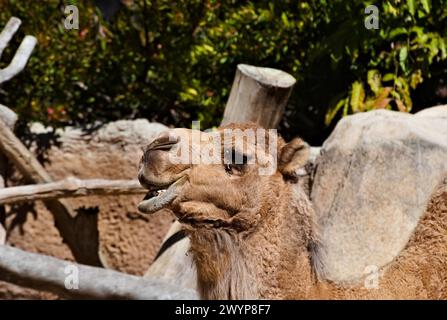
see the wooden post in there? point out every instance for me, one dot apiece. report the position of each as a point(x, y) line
point(9, 118)
point(258, 95)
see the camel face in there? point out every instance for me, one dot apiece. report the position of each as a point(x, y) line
point(218, 179)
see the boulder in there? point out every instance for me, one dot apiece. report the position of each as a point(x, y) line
point(373, 180)
point(2, 235)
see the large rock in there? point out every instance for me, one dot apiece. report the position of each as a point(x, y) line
point(128, 240)
point(373, 180)
point(2, 235)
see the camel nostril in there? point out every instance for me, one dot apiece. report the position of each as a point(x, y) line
point(164, 141)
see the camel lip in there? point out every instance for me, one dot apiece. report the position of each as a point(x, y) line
point(160, 196)
point(154, 189)
point(152, 193)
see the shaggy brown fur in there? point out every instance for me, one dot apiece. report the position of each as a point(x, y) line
point(252, 235)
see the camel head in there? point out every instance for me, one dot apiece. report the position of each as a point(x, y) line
point(227, 178)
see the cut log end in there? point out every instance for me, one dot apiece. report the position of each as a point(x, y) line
point(258, 95)
point(268, 76)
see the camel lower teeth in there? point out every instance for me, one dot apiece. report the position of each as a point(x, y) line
point(160, 191)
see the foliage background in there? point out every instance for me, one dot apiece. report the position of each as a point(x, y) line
point(174, 61)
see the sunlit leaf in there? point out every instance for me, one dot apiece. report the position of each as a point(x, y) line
point(403, 55)
point(411, 6)
point(374, 81)
point(382, 100)
point(192, 91)
point(403, 90)
point(418, 30)
point(346, 108)
point(389, 8)
point(285, 20)
point(426, 5)
point(416, 79)
point(397, 32)
point(388, 77)
point(332, 112)
point(357, 97)
point(442, 47)
point(400, 105)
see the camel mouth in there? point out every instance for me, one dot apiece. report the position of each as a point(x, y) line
point(160, 196)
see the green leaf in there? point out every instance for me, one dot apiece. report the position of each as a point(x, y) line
point(426, 5)
point(346, 108)
point(416, 78)
point(442, 47)
point(285, 20)
point(208, 48)
point(397, 32)
point(388, 77)
point(403, 55)
point(390, 9)
point(411, 6)
point(332, 112)
point(192, 91)
point(421, 13)
point(357, 97)
point(374, 81)
point(418, 30)
point(403, 90)
point(433, 49)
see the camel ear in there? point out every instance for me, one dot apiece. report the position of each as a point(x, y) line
point(293, 157)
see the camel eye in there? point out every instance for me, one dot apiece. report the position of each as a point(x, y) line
point(234, 162)
point(234, 168)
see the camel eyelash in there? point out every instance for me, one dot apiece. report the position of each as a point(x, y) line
point(234, 157)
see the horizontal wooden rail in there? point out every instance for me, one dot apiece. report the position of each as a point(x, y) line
point(71, 280)
point(69, 188)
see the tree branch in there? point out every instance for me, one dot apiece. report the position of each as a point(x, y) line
point(50, 274)
point(69, 188)
point(8, 32)
point(9, 118)
point(22, 55)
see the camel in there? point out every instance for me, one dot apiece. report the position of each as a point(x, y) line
point(253, 235)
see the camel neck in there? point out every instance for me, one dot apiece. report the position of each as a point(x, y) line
point(280, 247)
point(223, 269)
point(274, 256)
